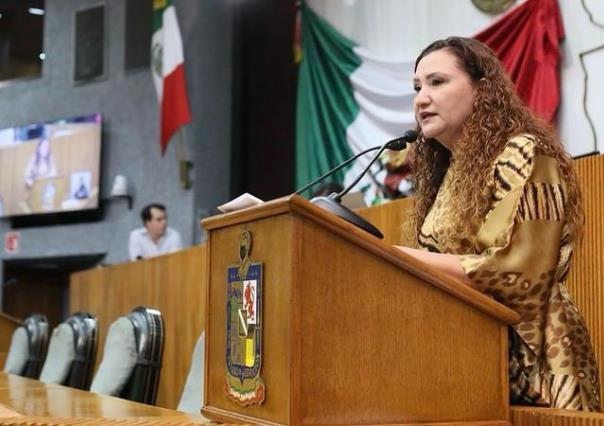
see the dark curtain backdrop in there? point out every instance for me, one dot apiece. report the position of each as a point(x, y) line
point(264, 90)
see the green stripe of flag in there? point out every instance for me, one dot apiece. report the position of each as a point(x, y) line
point(325, 106)
point(158, 10)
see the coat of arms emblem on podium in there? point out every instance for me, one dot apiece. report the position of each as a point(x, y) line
point(244, 329)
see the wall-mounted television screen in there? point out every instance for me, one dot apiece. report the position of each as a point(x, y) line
point(50, 167)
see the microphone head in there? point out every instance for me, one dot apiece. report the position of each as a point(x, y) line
point(400, 143)
point(410, 135)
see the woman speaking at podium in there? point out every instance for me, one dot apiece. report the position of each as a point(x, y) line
point(41, 164)
point(497, 205)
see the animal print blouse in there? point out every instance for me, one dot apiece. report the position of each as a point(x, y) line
point(521, 256)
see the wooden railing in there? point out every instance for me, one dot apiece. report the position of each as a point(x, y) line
point(586, 281)
point(389, 218)
point(173, 284)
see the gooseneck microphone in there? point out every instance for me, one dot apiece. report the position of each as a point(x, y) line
point(333, 202)
point(397, 144)
point(335, 169)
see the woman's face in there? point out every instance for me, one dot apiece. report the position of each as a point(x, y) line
point(445, 97)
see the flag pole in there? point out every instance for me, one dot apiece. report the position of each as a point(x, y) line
point(185, 165)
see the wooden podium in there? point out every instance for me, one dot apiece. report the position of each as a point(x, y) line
point(353, 330)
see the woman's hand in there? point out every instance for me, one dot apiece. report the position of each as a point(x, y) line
point(447, 263)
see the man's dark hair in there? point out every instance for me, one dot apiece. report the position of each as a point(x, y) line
point(146, 211)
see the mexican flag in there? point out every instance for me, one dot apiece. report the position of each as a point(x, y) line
point(348, 101)
point(167, 67)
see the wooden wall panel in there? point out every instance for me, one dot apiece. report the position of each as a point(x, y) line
point(8, 325)
point(173, 284)
point(586, 281)
point(389, 218)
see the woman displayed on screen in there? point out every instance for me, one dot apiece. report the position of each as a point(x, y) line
point(41, 164)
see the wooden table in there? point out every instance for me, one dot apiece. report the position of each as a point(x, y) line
point(30, 402)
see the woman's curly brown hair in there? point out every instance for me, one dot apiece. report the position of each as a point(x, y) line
point(498, 115)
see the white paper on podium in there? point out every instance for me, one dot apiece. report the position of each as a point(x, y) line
point(242, 202)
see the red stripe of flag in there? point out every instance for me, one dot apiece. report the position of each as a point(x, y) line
point(175, 110)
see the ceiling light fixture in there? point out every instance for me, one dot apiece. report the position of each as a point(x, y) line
point(36, 11)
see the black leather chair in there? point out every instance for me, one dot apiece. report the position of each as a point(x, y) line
point(72, 352)
point(149, 333)
point(36, 326)
point(85, 327)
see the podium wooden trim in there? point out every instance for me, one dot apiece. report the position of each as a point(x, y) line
point(355, 331)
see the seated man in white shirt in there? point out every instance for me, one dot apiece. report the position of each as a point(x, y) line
point(155, 237)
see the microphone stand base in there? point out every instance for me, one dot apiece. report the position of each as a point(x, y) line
point(333, 205)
